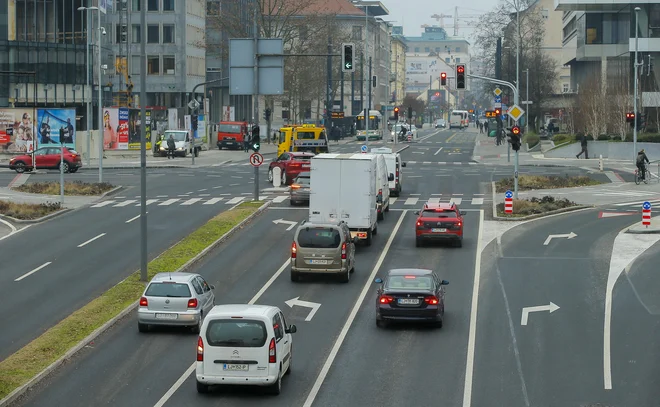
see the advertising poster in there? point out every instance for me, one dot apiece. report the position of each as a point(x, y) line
point(17, 130)
point(228, 114)
point(134, 129)
point(115, 128)
point(172, 119)
point(49, 123)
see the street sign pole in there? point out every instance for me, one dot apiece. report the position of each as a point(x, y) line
point(256, 183)
point(256, 160)
point(144, 258)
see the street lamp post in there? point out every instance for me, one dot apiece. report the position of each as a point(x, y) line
point(88, 100)
point(527, 100)
point(635, 65)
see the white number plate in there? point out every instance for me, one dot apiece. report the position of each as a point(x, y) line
point(166, 316)
point(409, 301)
point(439, 230)
point(241, 368)
point(318, 262)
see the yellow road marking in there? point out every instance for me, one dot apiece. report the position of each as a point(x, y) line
point(451, 137)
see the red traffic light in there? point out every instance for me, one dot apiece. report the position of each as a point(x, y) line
point(437, 93)
point(396, 109)
point(498, 112)
point(515, 130)
point(460, 69)
point(443, 75)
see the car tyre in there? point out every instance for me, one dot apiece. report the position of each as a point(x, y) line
point(276, 388)
point(64, 166)
point(418, 242)
point(270, 175)
point(438, 323)
point(368, 239)
point(459, 243)
point(388, 208)
point(381, 324)
point(197, 328)
point(143, 327)
point(202, 388)
point(19, 167)
point(375, 232)
point(345, 277)
point(295, 276)
point(72, 170)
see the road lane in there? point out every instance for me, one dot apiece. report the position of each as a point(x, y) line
point(557, 358)
point(409, 364)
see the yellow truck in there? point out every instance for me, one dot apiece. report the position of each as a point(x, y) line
point(304, 138)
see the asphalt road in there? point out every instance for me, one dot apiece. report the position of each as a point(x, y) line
point(556, 359)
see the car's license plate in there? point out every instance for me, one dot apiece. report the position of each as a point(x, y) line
point(409, 301)
point(442, 230)
point(232, 367)
point(318, 262)
point(166, 316)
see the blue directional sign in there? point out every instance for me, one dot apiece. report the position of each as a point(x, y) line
point(646, 205)
point(498, 99)
point(364, 149)
point(508, 194)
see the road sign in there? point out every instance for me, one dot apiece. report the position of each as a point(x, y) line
point(256, 159)
point(194, 104)
point(497, 91)
point(646, 214)
point(498, 99)
point(364, 149)
point(498, 105)
point(508, 202)
point(515, 112)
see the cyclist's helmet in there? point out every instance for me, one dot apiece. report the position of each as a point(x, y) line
point(641, 151)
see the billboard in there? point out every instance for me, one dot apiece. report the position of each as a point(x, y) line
point(115, 128)
point(17, 130)
point(134, 129)
point(48, 125)
point(436, 96)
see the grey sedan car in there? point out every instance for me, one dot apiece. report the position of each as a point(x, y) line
point(175, 299)
point(299, 190)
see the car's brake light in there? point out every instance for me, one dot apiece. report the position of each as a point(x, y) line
point(431, 299)
point(397, 174)
point(419, 223)
point(385, 299)
point(200, 349)
point(343, 251)
point(192, 303)
point(410, 277)
point(272, 352)
point(294, 250)
point(144, 302)
point(295, 186)
point(294, 164)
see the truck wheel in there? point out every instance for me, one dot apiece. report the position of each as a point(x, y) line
point(368, 240)
point(375, 231)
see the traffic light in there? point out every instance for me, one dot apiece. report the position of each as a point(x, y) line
point(348, 58)
point(373, 81)
point(640, 120)
point(498, 112)
point(437, 94)
point(460, 76)
point(630, 118)
point(443, 78)
point(396, 114)
point(267, 114)
point(514, 138)
point(193, 121)
point(256, 139)
point(409, 112)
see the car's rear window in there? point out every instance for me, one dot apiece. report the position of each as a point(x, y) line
point(168, 290)
point(439, 214)
point(302, 157)
point(319, 237)
point(238, 333)
point(409, 283)
point(302, 180)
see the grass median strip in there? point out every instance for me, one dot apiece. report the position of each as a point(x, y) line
point(533, 206)
point(28, 211)
point(70, 188)
point(34, 357)
point(530, 182)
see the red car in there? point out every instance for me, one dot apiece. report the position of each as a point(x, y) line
point(439, 222)
point(292, 164)
point(47, 158)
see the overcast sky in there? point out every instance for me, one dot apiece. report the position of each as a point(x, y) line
point(413, 13)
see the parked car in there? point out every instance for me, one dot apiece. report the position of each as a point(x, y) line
point(300, 189)
point(291, 164)
point(47, 158)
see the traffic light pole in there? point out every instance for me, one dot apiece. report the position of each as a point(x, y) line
point(193, 111)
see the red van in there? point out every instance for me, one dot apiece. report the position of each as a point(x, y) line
point(230, 135)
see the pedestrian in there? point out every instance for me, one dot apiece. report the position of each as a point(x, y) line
point(486, 128)
point(246, 141)
point(584, 144)
point(171, 146)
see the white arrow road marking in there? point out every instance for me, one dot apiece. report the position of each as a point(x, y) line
point(286, 222)
point(552, 307)
point(568, 236)
point(313, 305)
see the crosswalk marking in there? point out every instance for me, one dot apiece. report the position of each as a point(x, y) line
point(168, 202)
point(213, 201)
point(102, 204)
point(191, 201)
point(411, 201)
point(392, 200)
point(234, 201)
point(434, 200)
point(456, 201)
point(477, 201)
point(125, 203)
point(281, 198)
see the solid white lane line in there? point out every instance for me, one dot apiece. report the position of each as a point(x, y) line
point(440, 149)
point(472, 336)
point(133, 218)
point(192, 367)
point(280, 199)
point(356, 308)
point(477, 201)
point(91, 240)
point(33, 271)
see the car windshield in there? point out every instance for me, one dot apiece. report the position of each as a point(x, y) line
point(238, 333)
point(409, 283)
point(447, 213)
point(165, 289)
point(320, 238)
point(178, 135)
point(230, 128)
point(302, 181)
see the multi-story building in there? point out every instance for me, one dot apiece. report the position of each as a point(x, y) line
point(398, 70)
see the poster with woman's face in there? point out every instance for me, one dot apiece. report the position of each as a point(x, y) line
point(17, 130)
point(110, 124)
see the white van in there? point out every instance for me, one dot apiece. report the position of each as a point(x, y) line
point(458, 118)
point(394, 165)
point(242, 344)
point(382, 183)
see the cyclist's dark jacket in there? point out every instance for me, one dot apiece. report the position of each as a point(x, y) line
point(642, 158)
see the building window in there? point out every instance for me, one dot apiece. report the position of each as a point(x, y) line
point(136, 34)
point(594, 28)
point(168, 65)
point(153, 65)
point(152, 5)
point(427, 49)
point(357, 33)
point(153, 34)
point(136, 5)
point(458, 60)
point(168, 5)
point(168, 34)
point(416, 49)
point(120, 33)
point(135, 65)
point(458, 49)
point(565, 88)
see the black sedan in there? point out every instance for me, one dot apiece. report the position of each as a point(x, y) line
point(410, 295)
point(299, 190)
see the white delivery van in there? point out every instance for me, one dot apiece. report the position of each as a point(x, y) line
point(394, 165)
point(383, 186)
point(458, 118)
point(344, 187)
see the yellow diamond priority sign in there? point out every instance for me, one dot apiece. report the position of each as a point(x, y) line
point(515, 112)
point(497, 91)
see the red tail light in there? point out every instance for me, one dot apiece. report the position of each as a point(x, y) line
point(397, 174)
point(343, 251)
point(419, 223)
point(294, 250)
point(386, 299)
point(431, 299)
point(192, 303)
point(295, 186)
point(200, 349)
point(272, 352)
point(295, 165)
point(144, 302)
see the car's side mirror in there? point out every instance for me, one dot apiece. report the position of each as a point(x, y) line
point(463, 213)
point(403, 164)
point(391, 177)
point(444, 282)
point(292, 329)
point(212, 287)
point(416, 212)
point(378, 281)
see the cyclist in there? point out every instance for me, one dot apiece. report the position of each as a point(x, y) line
point(642, 159)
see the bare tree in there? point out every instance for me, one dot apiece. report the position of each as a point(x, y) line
point(592, 104)
point(619, 102)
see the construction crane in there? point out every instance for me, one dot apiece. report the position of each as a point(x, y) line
point(440, 18)
point(123, 97)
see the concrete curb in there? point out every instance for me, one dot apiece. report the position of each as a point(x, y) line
point(639, 229)
point(14, 395)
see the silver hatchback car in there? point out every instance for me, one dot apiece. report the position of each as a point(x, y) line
point(175, 299)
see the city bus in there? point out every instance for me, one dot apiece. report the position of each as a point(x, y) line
point(377, 126)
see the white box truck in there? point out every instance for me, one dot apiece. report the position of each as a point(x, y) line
point(394, 165)
point(345, 187)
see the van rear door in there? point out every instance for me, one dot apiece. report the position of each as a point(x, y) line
point(236, 347)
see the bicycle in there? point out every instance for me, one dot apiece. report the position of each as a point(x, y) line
point(638, 176)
